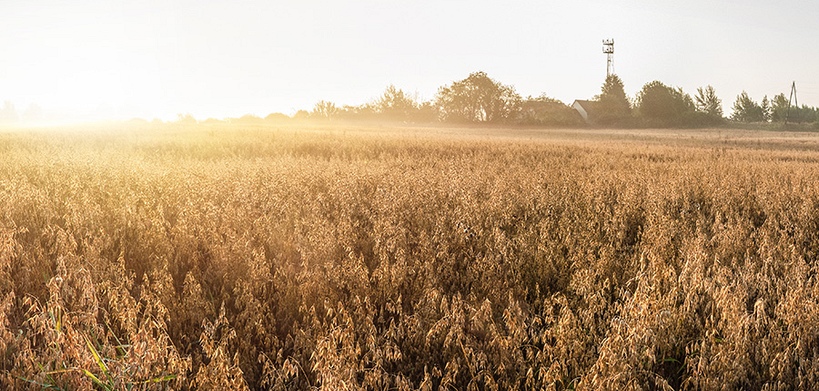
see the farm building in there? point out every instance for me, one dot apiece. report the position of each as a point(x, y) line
point(587, 109)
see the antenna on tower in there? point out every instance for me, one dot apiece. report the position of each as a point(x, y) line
point(608, 49)
point(795, 104)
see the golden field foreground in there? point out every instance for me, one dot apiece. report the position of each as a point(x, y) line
point(330, 257)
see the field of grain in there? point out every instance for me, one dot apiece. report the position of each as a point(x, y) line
point(342, 257)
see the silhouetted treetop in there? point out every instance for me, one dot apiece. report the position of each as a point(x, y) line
point(747, 110)
point(662, 105)
point(396, 105)
point(477, 98)
point(614, 107)
point(325, 110)
point(707, 102)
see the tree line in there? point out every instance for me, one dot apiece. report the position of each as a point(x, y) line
point(475, 99)
point(481, 99)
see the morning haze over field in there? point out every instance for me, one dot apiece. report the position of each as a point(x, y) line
point(91, 60)
point(408, 196)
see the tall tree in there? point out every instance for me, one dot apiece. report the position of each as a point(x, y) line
point(766, 109)
point(477, 98)
point(396, 105)
point(746, 109)
point(325, 110)
point(614, 107)
point(660, 104)
point(707, 102)
point(779, 108)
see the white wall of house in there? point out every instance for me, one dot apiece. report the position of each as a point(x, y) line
point(580, 109)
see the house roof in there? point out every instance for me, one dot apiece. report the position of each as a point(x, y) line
point(586, 108)
point(587, 104)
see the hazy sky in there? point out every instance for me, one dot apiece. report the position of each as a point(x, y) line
point(122, 59)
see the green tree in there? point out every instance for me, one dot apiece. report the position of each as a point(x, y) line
point(614, 107)
point(766, 109)
point(779, 108)
point(747, 110)
point(804, 113)
point(395, 104)
point(661, 105)
point(546, 111)
point(477, 98)
point(707, 102)
point(427, 112)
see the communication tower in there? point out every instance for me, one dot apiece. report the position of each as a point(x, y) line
point(608, 49)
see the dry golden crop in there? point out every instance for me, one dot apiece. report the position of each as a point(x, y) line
point(330, 257)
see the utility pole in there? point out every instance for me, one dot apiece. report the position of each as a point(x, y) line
point(795, 104)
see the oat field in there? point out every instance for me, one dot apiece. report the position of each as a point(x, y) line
point(300, 257)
